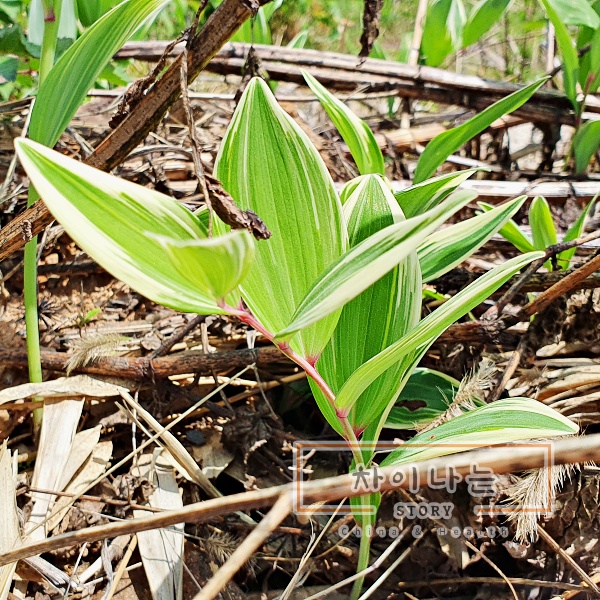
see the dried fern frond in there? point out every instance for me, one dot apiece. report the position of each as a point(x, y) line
point(88, 349)
point(470, 390)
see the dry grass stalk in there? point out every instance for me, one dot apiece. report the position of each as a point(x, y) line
point(470, 390)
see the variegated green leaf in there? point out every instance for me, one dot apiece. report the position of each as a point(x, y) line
point(268, 165)
point(390, 308)
point(511, 232)
point(116, 221)
point(367, 262)
point(421, 197)
point(67, 84)
point(215, 264)
point(445, 249)
point(501, 422)
point(356, 133)
point(426, 332)
point(426, 395)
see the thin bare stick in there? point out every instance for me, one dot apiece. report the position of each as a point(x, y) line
point(494, 566)
point(366, 571)
point(568, 559)
point(281, 509)
point(390, 570)
point(121, 569)
point(562, 287)
point(501, 459)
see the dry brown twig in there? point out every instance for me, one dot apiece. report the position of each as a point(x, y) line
point(501, 460)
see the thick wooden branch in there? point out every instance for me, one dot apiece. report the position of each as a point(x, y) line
point(344, 72)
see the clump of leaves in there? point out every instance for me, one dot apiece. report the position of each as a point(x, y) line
point(337, 288)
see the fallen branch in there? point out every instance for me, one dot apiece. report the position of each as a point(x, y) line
point(344, 72)
point(141, 368)
point(504, 459)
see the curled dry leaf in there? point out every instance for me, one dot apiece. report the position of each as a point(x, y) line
point(227, 210)
point(59, 426)
point(371, 14)
point(79, 385)
point(162, 549)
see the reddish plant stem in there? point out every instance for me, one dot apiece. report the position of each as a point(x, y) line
point(309, 368)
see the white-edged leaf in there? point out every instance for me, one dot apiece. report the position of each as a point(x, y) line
point(110, 219)
point(268, 165)
point(501, 422)
point(356, 133)
point(367, 262)
point(390, 307)
point(445, 249)
point(426, 395)
point(67, 84)
point(421, 197)
point(511, 232)
point(426, 332)
point(216, 264)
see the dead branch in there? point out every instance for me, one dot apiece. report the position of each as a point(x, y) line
point(140, 368)
point(341, 72)
point(504, 459)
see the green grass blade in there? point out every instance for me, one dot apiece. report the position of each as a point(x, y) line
point(501, 422)
point(268, 165)
point(116, 222)
point(67, 84)
point(445, 249)
point(389, 308)
point(576, 12)
point(426, 332)
point(585, 144)
point(448, 142)
point(568, 53)
point(541, 223)
point(575, 231)
point(511, 232)
point(356, 133)
point(483, 16)
point(367, 262)
point(443, 31)
point(421, 197)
